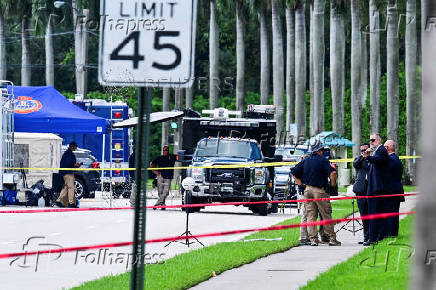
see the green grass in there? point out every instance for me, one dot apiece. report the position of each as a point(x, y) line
point(150, 185)
point(372, 268)
point(188, 269)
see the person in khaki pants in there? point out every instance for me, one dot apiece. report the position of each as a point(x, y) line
point(67, 197)
point(313, 172)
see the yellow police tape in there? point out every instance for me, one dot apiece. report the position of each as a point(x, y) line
point(246, 165)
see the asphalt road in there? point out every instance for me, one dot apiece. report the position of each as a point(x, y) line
point(42, 231)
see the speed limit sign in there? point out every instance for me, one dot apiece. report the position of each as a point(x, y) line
point(147, 43)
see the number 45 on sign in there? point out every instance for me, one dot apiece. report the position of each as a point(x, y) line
point(147, 43)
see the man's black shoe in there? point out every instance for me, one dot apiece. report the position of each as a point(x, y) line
point(367, 243)
point(361, 243)
point(72, 205)
point(163, 208)
point(305, 243)
point(58, 204)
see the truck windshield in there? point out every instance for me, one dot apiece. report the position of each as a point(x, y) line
point(228, 148)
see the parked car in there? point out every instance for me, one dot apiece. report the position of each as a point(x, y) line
point(86, 182)
point(284, 185)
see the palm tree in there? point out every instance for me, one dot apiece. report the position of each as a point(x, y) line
point(423, 273)
point(364, 74)
point(312, 101)
point(261, 7)
point(337, 63)
point(49, 56)
point(166, 95)
point(240, 54)
point(278, 66)
point(356, 69)
point(213, 56)
point(77, 46)
point(374, 65)
point(318, 65)
point(189, 95)
point(411, 51)
point(392, 71)
point(300, 69)
point(290, 63)
point(2, 44)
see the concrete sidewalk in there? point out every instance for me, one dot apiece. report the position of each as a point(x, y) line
point(294, 268)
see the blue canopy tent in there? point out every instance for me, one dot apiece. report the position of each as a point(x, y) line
point(339, 145)
point(45, 110)
point(331, 139)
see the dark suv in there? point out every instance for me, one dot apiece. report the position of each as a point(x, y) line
point(86, 182)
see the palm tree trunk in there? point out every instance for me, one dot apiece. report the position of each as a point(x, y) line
point(178, 96)
point(411, 51)
point(312, 100)
point(423, 270)
point(25, 53)
point(166, 95)
point(49, 56)
point(278, 66)
point(374, 67)
point(337, 67)
point(318, 65)
point(290, 66)
point(364, 75)
point(300, 71)
point(2, 46)
point(356, 69)
point(213, 56)
point(240, 59)
point(189, 95)
point(265, 72)
point(77, 47)
point(392, 71)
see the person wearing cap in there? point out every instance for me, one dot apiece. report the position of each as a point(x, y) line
point(164, 176)
point(314, 172)
point(67, 197)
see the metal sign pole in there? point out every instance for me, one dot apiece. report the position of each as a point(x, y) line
point(137, 280)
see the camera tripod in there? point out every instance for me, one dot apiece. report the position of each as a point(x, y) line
point(353, 221)
point(187, 233)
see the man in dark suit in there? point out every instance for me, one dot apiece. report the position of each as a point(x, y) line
point(378, 184)
point(360, 188)
point(393, 203)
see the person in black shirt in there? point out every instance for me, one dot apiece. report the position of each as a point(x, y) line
point(314, 172)
point(67, 197)
point(164, 176)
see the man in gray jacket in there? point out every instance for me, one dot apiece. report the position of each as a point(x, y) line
point(360, 188)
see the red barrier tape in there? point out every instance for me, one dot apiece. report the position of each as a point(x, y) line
point(225, 233)
point(201, 204)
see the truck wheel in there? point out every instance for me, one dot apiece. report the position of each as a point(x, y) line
point(274, 208)
point(79, 188)
point(263, 209)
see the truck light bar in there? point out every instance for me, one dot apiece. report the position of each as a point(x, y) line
point(221, 113)
point(229, 123)
point(264, 109)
